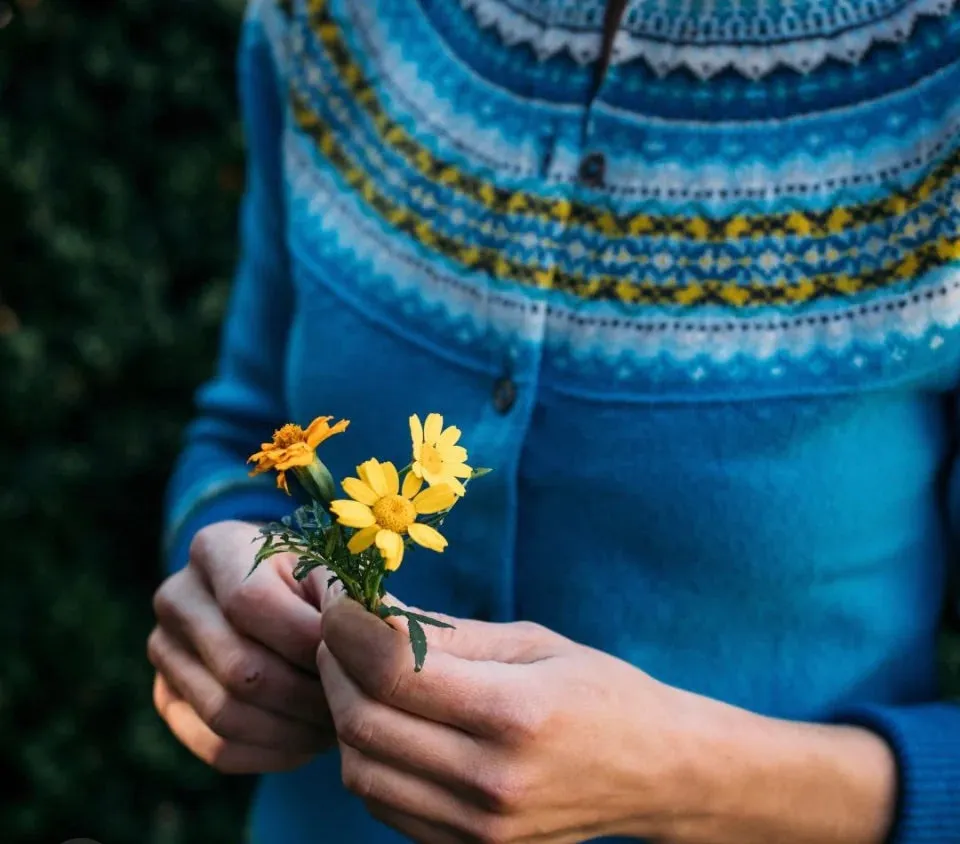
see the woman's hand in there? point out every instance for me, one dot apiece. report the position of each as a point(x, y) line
point(512, 733)
point(235, 657)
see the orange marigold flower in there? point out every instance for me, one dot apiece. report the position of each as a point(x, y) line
point(292, 446)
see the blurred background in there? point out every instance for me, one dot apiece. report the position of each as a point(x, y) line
point(120, 171)
point(121, 165)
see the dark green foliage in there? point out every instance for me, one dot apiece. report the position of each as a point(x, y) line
point(120, 169)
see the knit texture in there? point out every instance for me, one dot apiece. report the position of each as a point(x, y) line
point(724, 281)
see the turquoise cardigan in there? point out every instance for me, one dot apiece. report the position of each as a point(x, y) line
point(700, 314)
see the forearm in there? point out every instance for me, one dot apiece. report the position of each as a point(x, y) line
point(754, 779)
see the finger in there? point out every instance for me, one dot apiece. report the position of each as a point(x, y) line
point(484, 698)
point(226, 756)
point(267, 605)
point(224, 714)
point(389, 792)
point(443, 754)
point(423, 832)
point(248, 670)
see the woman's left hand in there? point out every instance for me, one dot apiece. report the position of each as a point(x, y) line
point(510, 733)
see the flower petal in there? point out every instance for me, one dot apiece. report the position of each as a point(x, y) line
point(432, 428)
point(359, 491)
point(458, 470)
point(433, 478)
point(434, 499)
point(455, 485)
point(391, 477)
point(427, 536)
point(362, 539)
point(453, 454)
point(298, 454)
point(316, 428)
point(373, 475)
point(321, 430)
point(449, 437)
point(352, 513)
point(391, 546)
point(416, 431)
point(411, 485)
point(282, 482)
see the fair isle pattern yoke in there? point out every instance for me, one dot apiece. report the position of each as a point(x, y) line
point(743, 228)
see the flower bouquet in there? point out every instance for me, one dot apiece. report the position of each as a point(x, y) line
point(362, 538)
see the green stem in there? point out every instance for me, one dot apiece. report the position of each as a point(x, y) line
point(375, 592)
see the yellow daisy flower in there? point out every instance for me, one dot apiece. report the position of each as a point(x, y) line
point(436, 456)
point(292, 447)
point(384, 514)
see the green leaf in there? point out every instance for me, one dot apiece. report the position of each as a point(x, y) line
point(426, 619)
point(331, 542)
point(384, 612)
point(479, 473)
point(418, 641)
point(304, 567)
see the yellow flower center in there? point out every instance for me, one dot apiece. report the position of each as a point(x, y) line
point(430, 459)
point(394, 512)
point(288, 435)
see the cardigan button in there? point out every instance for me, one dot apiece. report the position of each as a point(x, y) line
point(593, 169)
point(504, 395)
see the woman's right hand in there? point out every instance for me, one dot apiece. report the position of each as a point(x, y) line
point(235, 657)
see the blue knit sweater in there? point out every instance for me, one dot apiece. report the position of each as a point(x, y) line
point(700, 312)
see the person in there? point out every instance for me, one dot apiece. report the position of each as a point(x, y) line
point(687, 276)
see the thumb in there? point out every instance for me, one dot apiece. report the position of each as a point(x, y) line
point(479, 641)
point(514, 642)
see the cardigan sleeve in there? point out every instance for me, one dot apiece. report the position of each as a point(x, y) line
point(244, 400)
point(925, 739)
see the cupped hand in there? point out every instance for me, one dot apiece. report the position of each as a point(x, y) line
point(235, 657)
point(510, 733)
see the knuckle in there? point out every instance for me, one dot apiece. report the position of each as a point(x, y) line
point(214, 710)
point(243, 600)
point(155, 647)
point(523, 722)
point(164, 603)
point(201, 545)
point(503, 789)
point(530, 629)
point(357, 730)
point(491, 829)
point(358, 778)
point(243, 673)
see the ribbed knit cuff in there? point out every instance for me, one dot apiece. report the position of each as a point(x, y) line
point(926, 741)
point(249, 505)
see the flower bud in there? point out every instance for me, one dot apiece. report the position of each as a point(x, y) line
point(317, 481)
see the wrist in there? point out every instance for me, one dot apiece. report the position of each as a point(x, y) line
point(750, 778)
